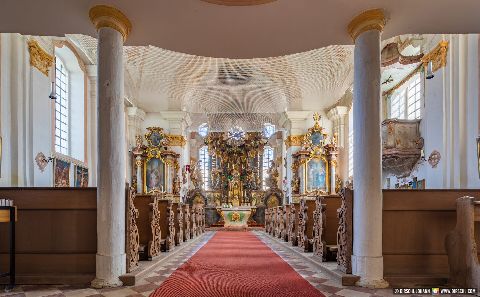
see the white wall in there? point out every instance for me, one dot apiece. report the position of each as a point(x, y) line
point(27, 116)
point(450, 118)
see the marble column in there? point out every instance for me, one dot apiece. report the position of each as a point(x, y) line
point(367, 258)
point(113, 27)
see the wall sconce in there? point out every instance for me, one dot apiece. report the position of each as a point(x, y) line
point(53, 94)
point(42, 161)
point(430, 73)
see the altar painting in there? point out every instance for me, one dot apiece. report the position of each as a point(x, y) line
point(61, 173)
point(154, 175)
point(81, 177)
point(316, 175)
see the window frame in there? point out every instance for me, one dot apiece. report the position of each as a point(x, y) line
point(401, 98)
point(266, 164)
point(205, 166)
point(62, 73)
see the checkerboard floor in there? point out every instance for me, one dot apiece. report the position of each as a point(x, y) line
point(329, 286)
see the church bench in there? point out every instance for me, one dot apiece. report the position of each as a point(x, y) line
point(293, 223)
point(132, 237)
point(267, 219)
point(148, 226)
point(286, 221)
point(201, 219)
point(423, 218)
point(279, 221)
point(273, 221)
point(167, 224)
point(186, 222)
point(325, 220)
point(178, 220)
point(47, 250)
point(462, 247)
point(305, 233)
point(193, 222)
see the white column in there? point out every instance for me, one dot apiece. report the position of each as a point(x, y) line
point(113, 27)
point(367, 259)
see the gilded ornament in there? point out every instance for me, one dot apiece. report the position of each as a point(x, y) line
point(438, 56)
point(39, 58)
point(373, 19)
point(294, 140)
point(176, 140)
point(107, 16)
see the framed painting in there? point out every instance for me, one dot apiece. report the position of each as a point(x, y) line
point(316, 175)
point(316, 138)
point(61, 173)
point(153, 175)
point(81, 177)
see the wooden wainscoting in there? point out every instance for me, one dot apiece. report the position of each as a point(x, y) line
point(56, 235)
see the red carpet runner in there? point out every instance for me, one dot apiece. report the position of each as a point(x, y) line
point(235, 264)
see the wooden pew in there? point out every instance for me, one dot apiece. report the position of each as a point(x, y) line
point(201, 220)
point(293, 224)
point(286, 221)
point(461, 245)
point(267, 219)
point(319, 226)
point(186, 222)
point(273, 221)
point(167, 224)
point(148, 223)
point(132, 236)
point(278, 219)
point(178, 212)
point(193, 222)
point(307, 207)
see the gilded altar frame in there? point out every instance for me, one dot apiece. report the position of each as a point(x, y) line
point(313, 157)
point(154, 154)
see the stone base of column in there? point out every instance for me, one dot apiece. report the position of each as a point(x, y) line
point(108, 271)
point(370, 271)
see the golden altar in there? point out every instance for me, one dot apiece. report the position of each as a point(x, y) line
point(236, 217)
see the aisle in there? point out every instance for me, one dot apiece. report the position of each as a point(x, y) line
point(235, 264)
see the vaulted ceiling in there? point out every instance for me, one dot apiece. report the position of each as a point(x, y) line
point(225, 91)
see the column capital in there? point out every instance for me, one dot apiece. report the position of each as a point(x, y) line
point(373, 19)
point(108, 16)
point(337, 112)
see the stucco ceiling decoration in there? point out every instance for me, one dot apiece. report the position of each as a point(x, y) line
point(249, 92)
point(238, 2)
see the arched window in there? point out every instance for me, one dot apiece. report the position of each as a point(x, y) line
point(405, 103)
point(70, 113)
point(268, 130)
point(267, 158)
point(62, 108)
point(203, 130)
point(205, 166)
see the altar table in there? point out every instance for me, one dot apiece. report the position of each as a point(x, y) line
point(237, 217)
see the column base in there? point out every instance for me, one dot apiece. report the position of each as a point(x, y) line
point(370, 271)
point(98, 283)
point(108, 271)
point(372, 283)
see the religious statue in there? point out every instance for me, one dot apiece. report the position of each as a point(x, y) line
point(273, 175)
point(196, 176)
point(176, 185)
point(296, 184)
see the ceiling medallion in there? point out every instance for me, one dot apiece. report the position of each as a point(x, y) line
point(238, 2)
